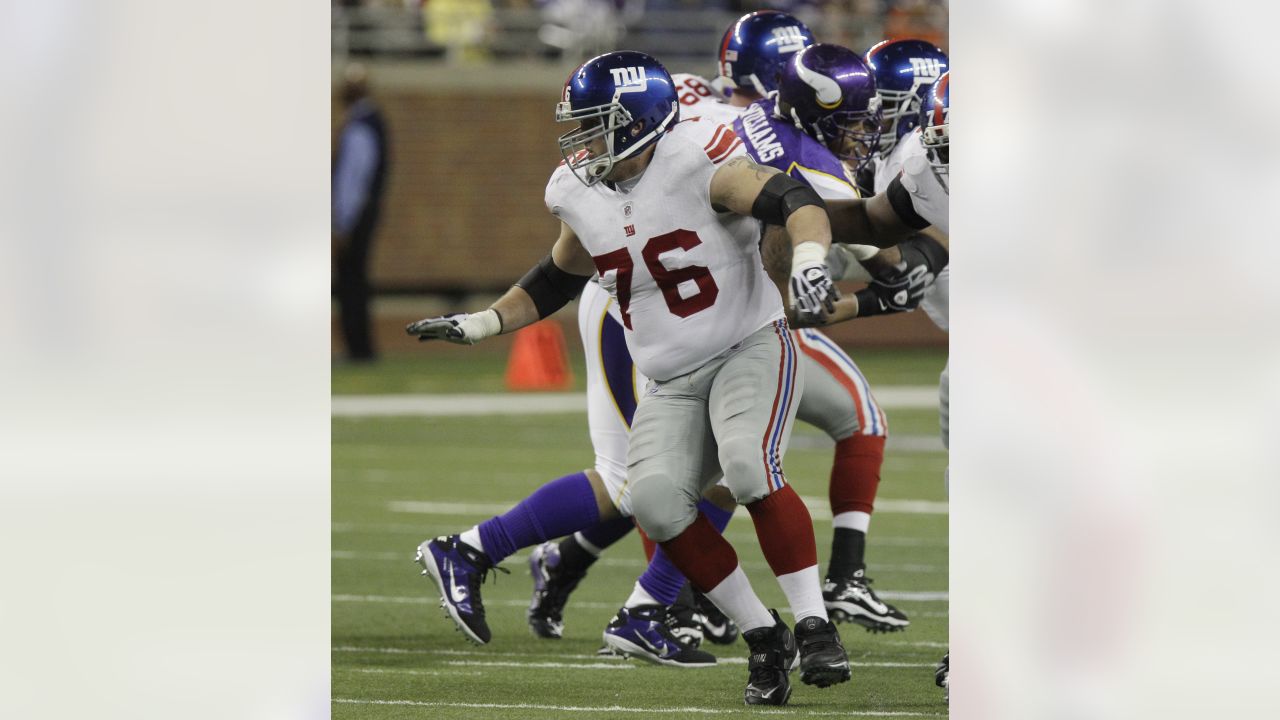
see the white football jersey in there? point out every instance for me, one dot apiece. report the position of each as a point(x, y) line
point(930, 198)
point(698, 98)
point(888, 167)
point(937, 298)
point(688, 281)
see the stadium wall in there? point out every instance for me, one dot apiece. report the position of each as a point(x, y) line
point(472, 149)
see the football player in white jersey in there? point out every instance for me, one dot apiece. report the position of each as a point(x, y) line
point(668, 215)
point(759, 43)
point(837, 398)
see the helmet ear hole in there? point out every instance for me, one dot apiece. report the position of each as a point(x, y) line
point(636, 128)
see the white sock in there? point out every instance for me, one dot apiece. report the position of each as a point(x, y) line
point(736, 599)
point(639, 597)
point(472, 538)
point(585, 544)
point(853, 520)
point(804, 592)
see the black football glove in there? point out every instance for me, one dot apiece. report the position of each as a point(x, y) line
point(880, 298)
point(922, 259)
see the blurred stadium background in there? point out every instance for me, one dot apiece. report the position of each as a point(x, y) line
point(468, 88)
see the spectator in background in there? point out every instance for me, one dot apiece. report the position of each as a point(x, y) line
point(359, 178)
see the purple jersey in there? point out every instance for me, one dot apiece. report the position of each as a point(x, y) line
point(773, 141)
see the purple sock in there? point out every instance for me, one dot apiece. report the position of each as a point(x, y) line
point(606, 533)
point(661, 579)
point(719, 518)
point(560, 507)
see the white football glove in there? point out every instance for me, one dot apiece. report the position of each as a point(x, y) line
point(460, 328)
point(811, 285)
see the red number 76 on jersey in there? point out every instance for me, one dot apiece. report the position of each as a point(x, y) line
point(667, 280)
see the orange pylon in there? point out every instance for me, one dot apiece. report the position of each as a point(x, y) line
point(539, 360)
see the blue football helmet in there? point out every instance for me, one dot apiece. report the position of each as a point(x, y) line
point(933, 124)
point(828, 91)
point(754, 49)
point(626, 99)
point(904, 70)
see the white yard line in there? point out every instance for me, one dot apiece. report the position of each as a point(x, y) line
point(513, 663)
point(643, 710)
point(426, 600)
point(422, 405)
point(408, 671)
point(467, 653)
point(819, 508)
point(916, 643)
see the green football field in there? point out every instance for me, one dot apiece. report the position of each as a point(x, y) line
point(399, 480)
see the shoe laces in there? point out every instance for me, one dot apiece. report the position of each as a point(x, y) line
point(669, 619)
point(482, 566)
point(764, 667)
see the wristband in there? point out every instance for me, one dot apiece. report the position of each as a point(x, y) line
point(869, 304)
point(808, 253)
point(481, 325)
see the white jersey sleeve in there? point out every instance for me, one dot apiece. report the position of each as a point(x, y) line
point(929, 196)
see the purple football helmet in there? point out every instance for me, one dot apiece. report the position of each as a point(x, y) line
point(626, 98)
point(756, 46)
point(904, 70)
point(830, 93)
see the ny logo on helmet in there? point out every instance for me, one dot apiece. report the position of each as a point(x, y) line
point(926, 67)
point(629, 79)
point(789, 39)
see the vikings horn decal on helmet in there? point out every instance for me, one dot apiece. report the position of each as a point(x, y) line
point(626, 99)
point(934, 124)
point(904, 70)
point(755, 48)
point(828, 91)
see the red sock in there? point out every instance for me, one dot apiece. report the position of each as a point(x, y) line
point(702, 554)
point(855, 474)
point(650, 547)
point(785, 531)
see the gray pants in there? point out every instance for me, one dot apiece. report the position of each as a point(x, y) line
point(733, 414)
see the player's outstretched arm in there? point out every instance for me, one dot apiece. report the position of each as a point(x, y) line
point(547, 287)
point(746, 188)
point(881, 220)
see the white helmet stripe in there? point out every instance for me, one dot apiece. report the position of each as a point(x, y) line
point(827, 90)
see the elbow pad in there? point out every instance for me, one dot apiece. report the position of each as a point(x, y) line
point(550, 287)
point(781, 196)
point(900, 199)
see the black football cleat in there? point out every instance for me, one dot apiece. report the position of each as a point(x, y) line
point(643, 632)
point(851, 599)
point(552, 585)
point(823, 661)
point(458, 570)
point(773, 654)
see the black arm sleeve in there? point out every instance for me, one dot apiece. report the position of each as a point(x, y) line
point(550, 287)
point(781, 196)
point(900, 199)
